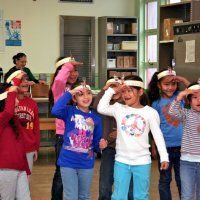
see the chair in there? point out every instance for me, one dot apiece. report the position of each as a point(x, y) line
point(40, 90)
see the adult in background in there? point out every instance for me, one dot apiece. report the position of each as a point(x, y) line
point(20, 61)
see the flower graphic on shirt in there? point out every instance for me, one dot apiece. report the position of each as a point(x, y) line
point(173, 121)
point(133, 124)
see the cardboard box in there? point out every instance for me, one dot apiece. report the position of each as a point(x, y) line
point(111, 63)
point(109, 28)
point(168, 33)
point(129, 45)
point(134, 28)
point(132, 61)
point(120, 61)
point(126, 62)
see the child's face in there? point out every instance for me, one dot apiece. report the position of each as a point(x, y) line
point(131, 96)
point(24, 86)
point(83, 99)
point(195, 101)
point(167, 86)
point(73, 76)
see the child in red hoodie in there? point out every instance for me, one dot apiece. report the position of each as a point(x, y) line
point(27, 112)
point(13, 163)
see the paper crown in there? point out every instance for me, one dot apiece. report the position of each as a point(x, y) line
point(168, 72)
point(13, 75)
point(68, 60)
point(134, 83)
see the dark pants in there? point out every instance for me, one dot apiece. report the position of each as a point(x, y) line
point(166, 175)
point(57, 186)
point(106, 175)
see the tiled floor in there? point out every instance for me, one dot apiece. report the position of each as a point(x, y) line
point(43, 170)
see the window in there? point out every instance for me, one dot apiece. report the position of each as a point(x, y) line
point(149, 30)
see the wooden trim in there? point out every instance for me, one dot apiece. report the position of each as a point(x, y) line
point(47, 124)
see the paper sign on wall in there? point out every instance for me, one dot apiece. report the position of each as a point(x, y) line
point(190, 51)
point(13, 33)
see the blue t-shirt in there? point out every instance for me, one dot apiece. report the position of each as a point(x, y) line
point(81, 137)
point(171, 127)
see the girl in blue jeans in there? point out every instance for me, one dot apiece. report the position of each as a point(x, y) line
point(134, 121)
point(81, 138)
point(190, 147)
point(163, 89)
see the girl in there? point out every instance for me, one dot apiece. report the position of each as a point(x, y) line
point(163, 89)
point(66, 75)
point(190, 146)
point(13, 163)
point(134, 121)
point(27, 112)
point(20, 61)
point(81, 137)
point(108, 154)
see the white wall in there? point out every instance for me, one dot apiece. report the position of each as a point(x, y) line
point(40, 27)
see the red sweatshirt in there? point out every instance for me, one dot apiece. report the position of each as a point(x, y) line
point(12, 152)
point(27, 113)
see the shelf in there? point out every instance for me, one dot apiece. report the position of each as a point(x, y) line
point(176, 4)
point(166, 41)
point(122, 69)
point(121, 51)
point(122, 35)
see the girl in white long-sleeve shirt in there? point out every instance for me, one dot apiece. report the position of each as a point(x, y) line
point(134, 121)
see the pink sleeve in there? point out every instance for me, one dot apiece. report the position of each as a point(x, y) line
point(59, 84)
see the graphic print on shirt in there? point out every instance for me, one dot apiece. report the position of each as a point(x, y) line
point(26, 116)
point(133, 124)
point(173, 121)
point(80, 138)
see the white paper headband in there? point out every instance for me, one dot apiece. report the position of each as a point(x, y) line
point(3, 95)
point(80, 87)
point(194, 87)
point(166, 73)
point(67, 60)
point(112, 80)
point(13, 75)
point(134, 83)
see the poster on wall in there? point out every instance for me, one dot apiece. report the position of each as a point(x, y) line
point(13, 32)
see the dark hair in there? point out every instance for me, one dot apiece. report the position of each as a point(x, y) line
point(51, 97)
point(144, 98)
point(3, 87)
point(153, 90)
point(18, 56)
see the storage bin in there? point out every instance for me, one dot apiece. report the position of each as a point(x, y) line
point(109, 46)
point(109, 28)
point(116, 46)
point(129, 45)
point(111, 63)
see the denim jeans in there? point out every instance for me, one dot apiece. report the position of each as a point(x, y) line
point(76, 183)
point(106, 178)
point(57, 186)
point(122, 177)
point(166, 175)
point(190, 180)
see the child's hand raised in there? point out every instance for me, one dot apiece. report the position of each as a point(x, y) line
point(13, 89)
point(111, 84)
point(103, 143)
point(164, 165)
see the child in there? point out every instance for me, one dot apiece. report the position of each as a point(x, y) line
point(163, 89)
point(134, 121)
point(13, 163)
point(108, 154)
point(190, 146)
point(27, 112)
point(81, 137)
point(66, 75)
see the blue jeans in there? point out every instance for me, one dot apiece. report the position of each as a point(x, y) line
point(190, 180)
point(57, 186)
point(166, 175)
point(122, 177)
point(76, 183)
point(106, 178)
